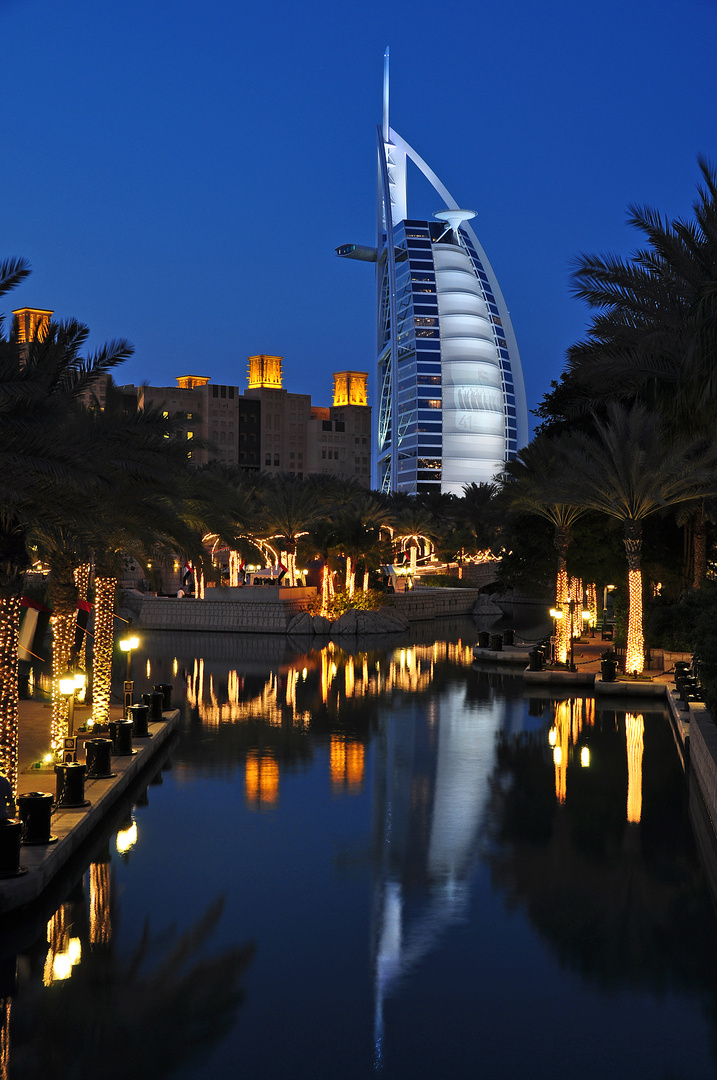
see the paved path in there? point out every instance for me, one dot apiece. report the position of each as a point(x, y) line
point(34, 742)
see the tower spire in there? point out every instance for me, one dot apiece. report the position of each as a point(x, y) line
point(385, 96)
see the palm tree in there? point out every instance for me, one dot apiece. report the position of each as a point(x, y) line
point(358, 527)
point(532, 485)
point(46, 460)
point(655, 333)
point(654, 338)
point(629, 470)
point(288, 509)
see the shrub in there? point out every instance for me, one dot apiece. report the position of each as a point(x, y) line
point(360, 601)
point(444, 581)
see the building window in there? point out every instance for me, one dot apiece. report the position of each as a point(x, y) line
point(323, 453)
point(276, 459)
point(190, 434)
point(326, 425)
point(267, 459)
point(231, 391)
point(215, 391)
point(222, 391)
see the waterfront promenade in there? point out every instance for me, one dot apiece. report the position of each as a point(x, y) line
point(41, 864)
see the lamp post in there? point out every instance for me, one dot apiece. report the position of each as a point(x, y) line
point(586, 620)
point(571, 609)
point(126, 645)
point(69, 684)
point(556, 615)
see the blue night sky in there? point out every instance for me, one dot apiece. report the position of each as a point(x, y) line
point(180, 174)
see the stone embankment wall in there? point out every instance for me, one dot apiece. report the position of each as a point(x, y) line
point(262, 616)
point(430, 603)
point(703, 757)
point(272, 615)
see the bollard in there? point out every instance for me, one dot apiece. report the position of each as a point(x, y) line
point(535, 660)
point(166, 689)
point(483, 639)
point(496, 642)
point(509, 637)
point(156, 706)
point(10, 837)
point(35, 810)
point(121, 733)
point(681, 668)
point(98, 758)
point(608, 669)
point(139, 715)
point(70, 785)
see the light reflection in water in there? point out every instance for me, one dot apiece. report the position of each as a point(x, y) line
point(571, 718)
point(634, 732)
point(261, 779)
point(347, 764)
point(100, 918)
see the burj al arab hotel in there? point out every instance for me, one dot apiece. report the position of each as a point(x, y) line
point(451, 399)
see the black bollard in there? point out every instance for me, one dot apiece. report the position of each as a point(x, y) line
point(35, 810)
point(496, 642)
point(98, 757)
point(156, 706)
point(483, 639)
point(535, 660)
point(509, 637)
point(10, 837)
point(166, 689)
point(121, 733)
point(608, 669)
point(139, 715)
point(71, 785)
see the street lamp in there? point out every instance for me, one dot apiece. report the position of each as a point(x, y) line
point(571, 611)
point(126, 645)
point(586, 620)
point(68, 685)
point(556, 615)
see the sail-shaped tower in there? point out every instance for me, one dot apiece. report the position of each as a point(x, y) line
point(451, 399)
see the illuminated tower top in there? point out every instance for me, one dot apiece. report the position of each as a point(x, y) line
point(350, 388)
point(189, 382)
point(264, 371)
point(31, 323)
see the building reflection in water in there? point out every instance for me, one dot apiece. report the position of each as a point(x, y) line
point(329, 679)
point(433, 762)
point(261, 782)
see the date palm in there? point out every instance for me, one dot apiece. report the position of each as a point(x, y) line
point(630, 469)
point(655, 331)
point(46, 465)
point(533, 484)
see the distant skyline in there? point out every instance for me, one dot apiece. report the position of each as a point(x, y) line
point(180, 176)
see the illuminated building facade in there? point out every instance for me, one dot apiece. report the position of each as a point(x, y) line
point(267, 429)
point(451, 405)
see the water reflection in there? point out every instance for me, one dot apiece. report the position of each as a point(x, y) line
point(417, 847)
point(141, 1014)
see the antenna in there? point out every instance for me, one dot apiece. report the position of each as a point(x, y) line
point(385, 95)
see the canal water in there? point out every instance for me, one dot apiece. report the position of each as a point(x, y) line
point(380, 861)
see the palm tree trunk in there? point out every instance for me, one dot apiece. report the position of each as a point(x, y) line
point(325, 587)
point(63, 597)
point(82, 581)
point(699, 540)
point(635, 651)
point(561, 540)
point(9, 632)
point(105, 588)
